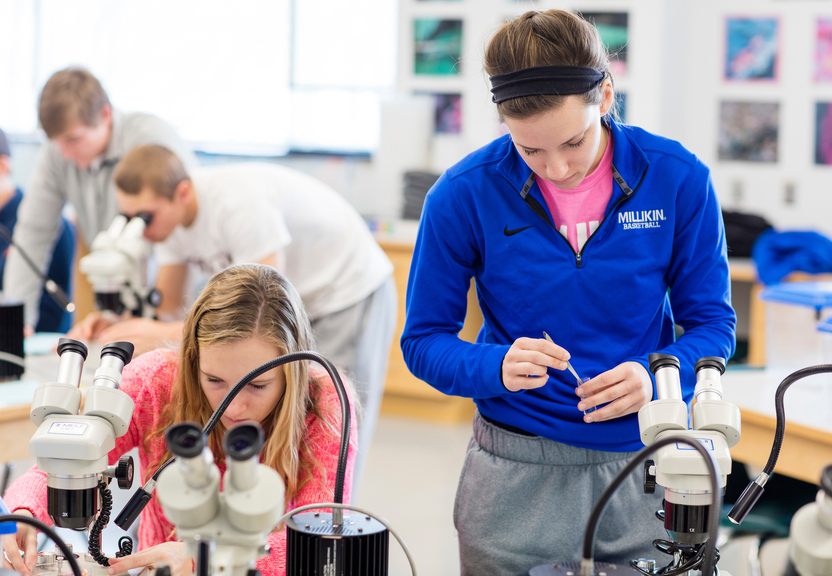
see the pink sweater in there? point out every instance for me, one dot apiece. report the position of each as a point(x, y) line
point(148, 380)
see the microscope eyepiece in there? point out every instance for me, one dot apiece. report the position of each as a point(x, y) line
point(663, 361)
point(146, 216)
point(715, 362)
point(185, 439)
point(243, 441)
point(122, 350)
point(70, 345)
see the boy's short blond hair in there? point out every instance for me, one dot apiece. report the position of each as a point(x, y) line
point(150, 166)
point(70, 95)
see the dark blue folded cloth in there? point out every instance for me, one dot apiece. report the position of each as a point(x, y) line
point(778, 254)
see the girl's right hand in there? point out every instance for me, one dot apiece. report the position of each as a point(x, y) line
point(526, 362)
point(26, 540)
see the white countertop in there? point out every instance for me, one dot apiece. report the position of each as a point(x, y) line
point(807, 402)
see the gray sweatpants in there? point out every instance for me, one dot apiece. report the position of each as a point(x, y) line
point(523, 501)
point(357, 340)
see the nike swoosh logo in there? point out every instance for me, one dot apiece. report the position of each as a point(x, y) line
point(508, 232)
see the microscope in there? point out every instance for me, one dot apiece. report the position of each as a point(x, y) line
point(715, 425)
point(117, 268)
point(226, 532)
point(72, 448)
point(683, 465)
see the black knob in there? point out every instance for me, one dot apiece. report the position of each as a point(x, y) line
point(649, 479)
point(154, 298)
point(163, 570)
point(124, 472)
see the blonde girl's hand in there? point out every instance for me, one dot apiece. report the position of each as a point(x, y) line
point(170, 553)
point(526, 362)
point(624, 390)
point(26, 540)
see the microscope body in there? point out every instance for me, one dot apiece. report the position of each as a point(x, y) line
point(228, 530)
point(72, 448)
point(117, 268)
point(715, 423)
point(810, 533)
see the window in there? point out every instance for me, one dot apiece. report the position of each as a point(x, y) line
point(231, 77)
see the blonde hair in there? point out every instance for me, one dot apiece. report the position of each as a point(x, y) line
point(549, 38)
point(70, 95)
point(238, 303)
point(150, 166)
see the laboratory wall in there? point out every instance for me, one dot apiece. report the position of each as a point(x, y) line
point(675, 85)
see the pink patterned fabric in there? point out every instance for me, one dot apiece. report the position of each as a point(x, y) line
point(578, 212)
point(148, 380)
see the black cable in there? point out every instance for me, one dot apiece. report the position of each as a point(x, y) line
point(68, 555)
point(780, 429)
point(713, 517)
point(55, 292)
point(94, 544)
point(342, 397)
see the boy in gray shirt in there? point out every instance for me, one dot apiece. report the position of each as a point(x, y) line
point(87, 138)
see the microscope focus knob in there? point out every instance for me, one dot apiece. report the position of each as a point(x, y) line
point(649, 479)
point(124, 472)
point(154, 298)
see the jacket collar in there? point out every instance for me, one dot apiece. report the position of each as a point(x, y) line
point(628, 159)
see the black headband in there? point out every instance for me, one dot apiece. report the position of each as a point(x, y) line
point(549, 80)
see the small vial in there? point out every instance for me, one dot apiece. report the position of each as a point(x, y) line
point(584, 380)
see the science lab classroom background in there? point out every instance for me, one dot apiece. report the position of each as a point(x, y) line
point(375, 100)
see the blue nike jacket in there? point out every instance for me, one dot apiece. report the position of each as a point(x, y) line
point(658, 256)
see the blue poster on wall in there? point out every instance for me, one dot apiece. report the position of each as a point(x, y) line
point(751, 49)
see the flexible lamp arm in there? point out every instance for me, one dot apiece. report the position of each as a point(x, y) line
point(755, 489)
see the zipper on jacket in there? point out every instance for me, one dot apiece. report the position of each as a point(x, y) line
point(617, 177)
point(540, 211)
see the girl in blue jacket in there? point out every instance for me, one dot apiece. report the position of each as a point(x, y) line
point(600, 234)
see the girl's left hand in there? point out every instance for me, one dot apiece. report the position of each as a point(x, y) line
point(170, 553)
point(624, 390)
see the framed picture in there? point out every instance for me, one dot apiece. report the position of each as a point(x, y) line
point(437, 46)
point(823, 133)
point(748, 131)
point(823, 51)
point(751, 49)
point(612, 27)
point(447, 114)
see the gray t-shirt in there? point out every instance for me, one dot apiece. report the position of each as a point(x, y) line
point(91, 192)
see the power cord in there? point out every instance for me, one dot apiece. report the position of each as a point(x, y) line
point(125, 543)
